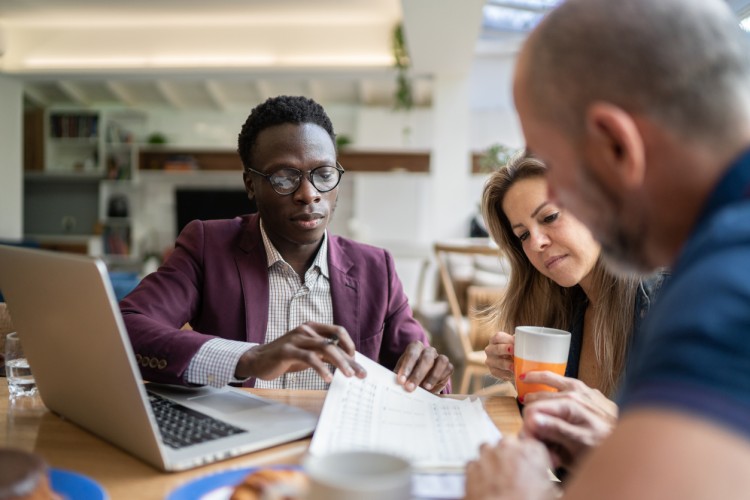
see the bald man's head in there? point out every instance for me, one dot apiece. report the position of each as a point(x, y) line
point(683, 63)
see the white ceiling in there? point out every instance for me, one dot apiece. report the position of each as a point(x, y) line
point(221, 53)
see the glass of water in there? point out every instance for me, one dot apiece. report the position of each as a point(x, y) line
point(20, 380)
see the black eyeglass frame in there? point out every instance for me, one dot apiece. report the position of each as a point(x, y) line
point(300, 175)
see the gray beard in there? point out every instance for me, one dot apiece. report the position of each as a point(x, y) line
point(623, 253)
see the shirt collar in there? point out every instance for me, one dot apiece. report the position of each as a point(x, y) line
point(733, 186)
point(273, 256)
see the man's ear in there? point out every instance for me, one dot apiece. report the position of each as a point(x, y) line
point(614, 141)
point(249, 186)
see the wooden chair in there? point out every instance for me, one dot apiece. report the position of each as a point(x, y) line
point(479, 300)
point(468, 330)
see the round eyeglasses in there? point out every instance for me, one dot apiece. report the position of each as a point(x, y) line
point(287, 180)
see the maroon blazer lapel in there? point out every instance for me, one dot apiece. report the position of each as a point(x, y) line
point(252, 267)
point(344, 290)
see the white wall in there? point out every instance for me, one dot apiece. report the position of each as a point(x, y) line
point(202, 128)
point(492, 117)
point(11, 170)
point(399, 211)
point(370, 128)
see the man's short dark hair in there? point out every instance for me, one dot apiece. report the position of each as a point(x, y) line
point(278, 111)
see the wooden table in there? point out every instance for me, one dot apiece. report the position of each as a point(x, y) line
point(28, 425)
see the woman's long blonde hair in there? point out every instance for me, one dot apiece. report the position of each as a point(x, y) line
point(534, 299)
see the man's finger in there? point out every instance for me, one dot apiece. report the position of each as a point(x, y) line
point(441, 370)
point(311, 359)
point(330, 352)
point(549, 429)
point(345, 342)
point(343, 361)
point(424, 365)
point(407, 361)
point(442, 383)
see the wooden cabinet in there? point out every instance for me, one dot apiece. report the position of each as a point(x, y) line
point(33, 140)
point(179, 159)
point(172, 159)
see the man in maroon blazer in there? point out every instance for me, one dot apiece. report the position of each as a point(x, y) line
point(272, 299)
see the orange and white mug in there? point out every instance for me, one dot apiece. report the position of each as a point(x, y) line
point(538, 348)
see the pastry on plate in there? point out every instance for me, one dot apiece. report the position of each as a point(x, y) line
point(272, 484)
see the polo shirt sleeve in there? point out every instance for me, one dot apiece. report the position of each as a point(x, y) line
point(694, 351)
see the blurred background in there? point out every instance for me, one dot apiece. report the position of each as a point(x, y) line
point(118, 123)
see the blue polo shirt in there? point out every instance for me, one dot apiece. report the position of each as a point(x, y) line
point(693, 354)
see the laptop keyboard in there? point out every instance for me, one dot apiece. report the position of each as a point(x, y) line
point(181, 426)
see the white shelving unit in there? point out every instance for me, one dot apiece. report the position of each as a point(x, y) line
point(72, 141)
point(85, 144)
point(118, 191)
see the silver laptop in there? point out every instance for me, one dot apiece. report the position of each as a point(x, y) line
point(65, 311)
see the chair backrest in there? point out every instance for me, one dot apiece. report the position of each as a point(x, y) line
point(479, 300)
point(465, 297)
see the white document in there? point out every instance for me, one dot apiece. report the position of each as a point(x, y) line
point(377, 414)
point(442, 486)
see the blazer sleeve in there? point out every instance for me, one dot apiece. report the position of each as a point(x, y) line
point(400, 327)
point(158, 308)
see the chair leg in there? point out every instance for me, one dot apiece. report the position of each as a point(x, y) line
point(465, 380)
point(469, 374)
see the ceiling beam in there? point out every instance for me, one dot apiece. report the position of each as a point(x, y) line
point(120, 92)
point(36, 96)
point(214, 91)
point(314, 90)
point(365, 91)
point(265, 89)
point(169, 94)
point(73, 92)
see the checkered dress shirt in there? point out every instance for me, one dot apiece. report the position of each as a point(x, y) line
point(291, 303)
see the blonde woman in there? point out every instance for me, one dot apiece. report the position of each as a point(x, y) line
point(558, 280)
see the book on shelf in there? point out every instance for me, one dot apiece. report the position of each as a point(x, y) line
point(74, 126)
point(116, 239)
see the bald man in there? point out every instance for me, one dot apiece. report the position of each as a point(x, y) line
point(641, 110)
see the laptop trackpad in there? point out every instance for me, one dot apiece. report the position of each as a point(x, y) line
point(228, 402)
